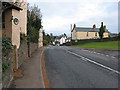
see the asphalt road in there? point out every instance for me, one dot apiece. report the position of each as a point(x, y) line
point(69, 67)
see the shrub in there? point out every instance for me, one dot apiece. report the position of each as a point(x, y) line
point(23, 37)
point(4, 66)
point(6, 45)
point(33, 35)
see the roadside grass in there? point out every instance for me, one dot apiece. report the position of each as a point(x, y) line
point(100, 45)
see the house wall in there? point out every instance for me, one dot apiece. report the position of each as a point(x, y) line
point(13, 31)
point(23, 18)
point(7, 31)
point(16, 29)
point(106, 34)
point(74, 34)
point(91, 35)
point(62, 40)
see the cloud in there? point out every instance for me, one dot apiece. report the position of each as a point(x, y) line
point(57, 16)
point(85, 1)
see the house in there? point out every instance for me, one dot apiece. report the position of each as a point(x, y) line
point(14, 21)
point(78, 33)
point(57, 40)
point(68, 39)
point(60, 40)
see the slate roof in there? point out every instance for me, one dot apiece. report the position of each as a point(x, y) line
point(11, 6)
point(83, 29)
point(59, 37)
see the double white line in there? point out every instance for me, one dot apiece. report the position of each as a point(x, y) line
point(86, 59)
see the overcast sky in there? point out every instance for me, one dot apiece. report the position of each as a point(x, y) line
point(59, 14)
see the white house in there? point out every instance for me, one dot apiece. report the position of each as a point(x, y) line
point(60, 40)
point(68, 39)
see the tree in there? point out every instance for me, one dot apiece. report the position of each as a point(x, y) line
point(101, 31)
point(51, 37)
point(65, 35)
point(34, 18)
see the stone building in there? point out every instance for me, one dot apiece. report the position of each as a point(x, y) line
point(14, 21)
point(79, 33)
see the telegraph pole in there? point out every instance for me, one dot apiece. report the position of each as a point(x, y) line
point(71, 33)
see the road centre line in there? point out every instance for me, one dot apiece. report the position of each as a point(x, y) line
point(103, 66)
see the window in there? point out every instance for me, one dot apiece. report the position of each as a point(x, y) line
point(3, 20)
point(96, 34)
point(87, 34)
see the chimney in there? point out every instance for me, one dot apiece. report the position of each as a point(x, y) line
point(74, 25)
point(94, 26)
point(104, 26)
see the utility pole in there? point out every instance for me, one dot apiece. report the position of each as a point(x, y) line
point(71, 33)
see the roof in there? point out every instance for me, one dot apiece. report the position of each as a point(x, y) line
point(78, 29)
point(11, 6)
point(59, 37)
point(68, 38)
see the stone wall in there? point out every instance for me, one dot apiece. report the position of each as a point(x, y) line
point(23, 51)
point(7, 76)
point(33, 47)
point(22, 55)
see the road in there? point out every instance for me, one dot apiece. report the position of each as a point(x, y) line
point(69, 67)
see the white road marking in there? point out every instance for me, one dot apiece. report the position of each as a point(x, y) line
point(113, 57)
point(97, 53)
point(103, 66)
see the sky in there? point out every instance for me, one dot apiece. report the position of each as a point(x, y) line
point(58, 15)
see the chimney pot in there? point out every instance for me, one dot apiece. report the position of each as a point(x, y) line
point(94, 26)
point(104, 26)
point(74, 25)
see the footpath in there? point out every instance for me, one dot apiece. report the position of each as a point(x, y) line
point(32, 72)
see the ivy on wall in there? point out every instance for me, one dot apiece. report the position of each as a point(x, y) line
point(6, 49)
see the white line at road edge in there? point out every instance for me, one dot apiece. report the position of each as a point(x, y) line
point(94, 62)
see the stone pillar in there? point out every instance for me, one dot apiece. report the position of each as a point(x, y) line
point(15, 58)
point(40, 41)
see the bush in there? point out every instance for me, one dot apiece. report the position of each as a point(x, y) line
point(23, 37)
point(83, 41)
point(6, 45)
point(4, 66)
point(33, 35)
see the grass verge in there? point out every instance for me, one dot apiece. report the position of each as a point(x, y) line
point(100, 45)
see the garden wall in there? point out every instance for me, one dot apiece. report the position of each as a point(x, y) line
point(7, 75)
point(23, 51)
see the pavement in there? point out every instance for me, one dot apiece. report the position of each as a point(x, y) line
point(32, 72)
point(69, 67)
